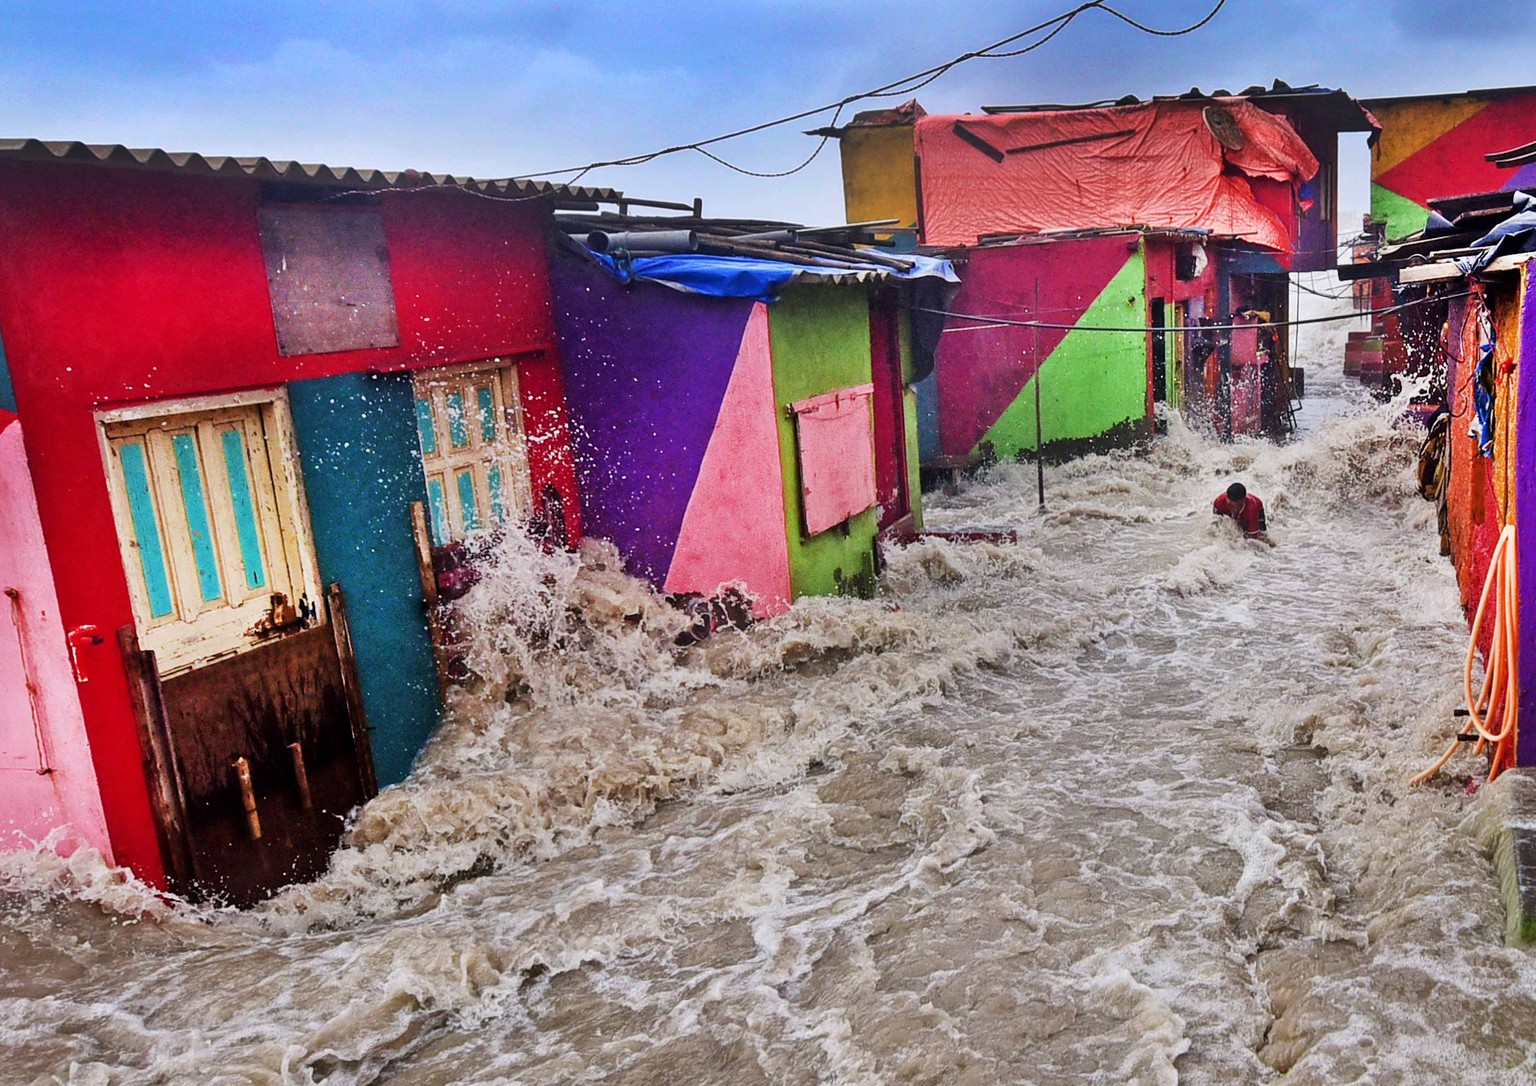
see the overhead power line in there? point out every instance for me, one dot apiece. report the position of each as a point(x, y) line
point(984, 322)
point(905, 85)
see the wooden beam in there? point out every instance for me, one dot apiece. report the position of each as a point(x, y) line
point(162, 776)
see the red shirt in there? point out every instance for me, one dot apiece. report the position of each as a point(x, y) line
point(1250, 517)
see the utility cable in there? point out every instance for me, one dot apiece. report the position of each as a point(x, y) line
point(984, 322)
point(904, 85)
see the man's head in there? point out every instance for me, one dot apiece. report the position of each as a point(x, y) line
point(1237, 493)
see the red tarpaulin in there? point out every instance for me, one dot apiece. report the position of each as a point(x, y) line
point(837, 456)
point(1154, 164)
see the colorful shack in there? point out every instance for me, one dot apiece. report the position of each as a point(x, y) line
point(226, 383)
point(1476, 291)
point(1093, 386)
point(740, 399)
point(1255, 197)
point(1446, 145)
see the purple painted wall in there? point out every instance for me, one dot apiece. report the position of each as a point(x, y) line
point(646, 368)
point(1525, 515)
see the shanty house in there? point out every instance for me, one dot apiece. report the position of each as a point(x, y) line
point(1230, 192)
point(739, 398)
point(226, 383)
point(1466, 287)
point(1447, 145)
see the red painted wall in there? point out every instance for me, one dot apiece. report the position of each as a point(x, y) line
point(1476, 517)
point(120, 286)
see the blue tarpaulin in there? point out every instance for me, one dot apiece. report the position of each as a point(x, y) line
point(749, 277)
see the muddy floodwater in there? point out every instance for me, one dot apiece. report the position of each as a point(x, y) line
point(1124, 802)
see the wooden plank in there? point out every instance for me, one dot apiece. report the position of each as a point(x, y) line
point(362, 743)
point(167, 795)
point(435, 628)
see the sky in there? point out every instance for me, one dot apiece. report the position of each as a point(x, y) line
point(496, 88)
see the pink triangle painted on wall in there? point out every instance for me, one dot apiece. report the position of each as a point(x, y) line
point(734, 529)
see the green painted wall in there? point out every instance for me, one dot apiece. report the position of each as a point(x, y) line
point(1093, 381)
point(819, 336)
point(1402, 215)
point(914, 455)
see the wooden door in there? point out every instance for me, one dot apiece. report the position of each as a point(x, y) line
point(254, 760)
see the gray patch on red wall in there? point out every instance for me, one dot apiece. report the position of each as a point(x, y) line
point(328, 278)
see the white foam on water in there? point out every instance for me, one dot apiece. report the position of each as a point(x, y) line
point(1124, 801)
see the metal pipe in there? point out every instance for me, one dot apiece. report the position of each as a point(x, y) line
point(33, 695)
point(1039, 425)
point(242, 771)
point(300, 777)
point(650, 241)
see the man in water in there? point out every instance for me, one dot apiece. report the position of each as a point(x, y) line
point(1245, 509)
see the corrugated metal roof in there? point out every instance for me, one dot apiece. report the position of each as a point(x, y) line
point(838, 254)
point(266, 169)
point(1486, 92)
point(1347, 113)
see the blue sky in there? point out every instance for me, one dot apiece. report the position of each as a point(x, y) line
point(500, 87)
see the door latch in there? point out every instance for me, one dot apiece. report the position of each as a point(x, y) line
point(78, 638)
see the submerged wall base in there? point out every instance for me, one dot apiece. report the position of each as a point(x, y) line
point(1511, 836)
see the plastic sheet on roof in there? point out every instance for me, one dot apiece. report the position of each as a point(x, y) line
point(1155, 164)
point(747, 277)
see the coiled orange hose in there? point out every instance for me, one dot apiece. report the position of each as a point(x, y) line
point(1499, 698)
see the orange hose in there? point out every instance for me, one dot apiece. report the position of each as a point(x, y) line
point(1499, 697)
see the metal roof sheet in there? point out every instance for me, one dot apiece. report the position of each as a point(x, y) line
point(1348, 113)
point(264, 169)
point(1486, 92)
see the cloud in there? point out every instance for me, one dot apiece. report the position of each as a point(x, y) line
point(495, 87)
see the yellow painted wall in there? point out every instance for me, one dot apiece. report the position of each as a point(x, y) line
point(879, 181)
point(1408, 127)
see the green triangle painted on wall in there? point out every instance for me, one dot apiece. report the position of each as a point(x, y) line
point(1093, 381)
point(1402, 215)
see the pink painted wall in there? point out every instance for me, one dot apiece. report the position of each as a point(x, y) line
point(733, 528)
point(33, 804)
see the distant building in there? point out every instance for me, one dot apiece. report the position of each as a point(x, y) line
point(1440, 145)
point(1234, 190)
point(740, 401)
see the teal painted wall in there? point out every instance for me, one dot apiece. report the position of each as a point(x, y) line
point(7, 393)
point(819, 335)
point(362, 470)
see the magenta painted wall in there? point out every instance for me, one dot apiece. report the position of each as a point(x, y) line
point(733, 528)
point(33, 804)
point(981, 372)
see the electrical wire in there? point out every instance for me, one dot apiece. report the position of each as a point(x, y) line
point(905, 85)
point(985, 322)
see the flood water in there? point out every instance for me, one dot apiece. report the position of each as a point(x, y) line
point(1125, 802)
